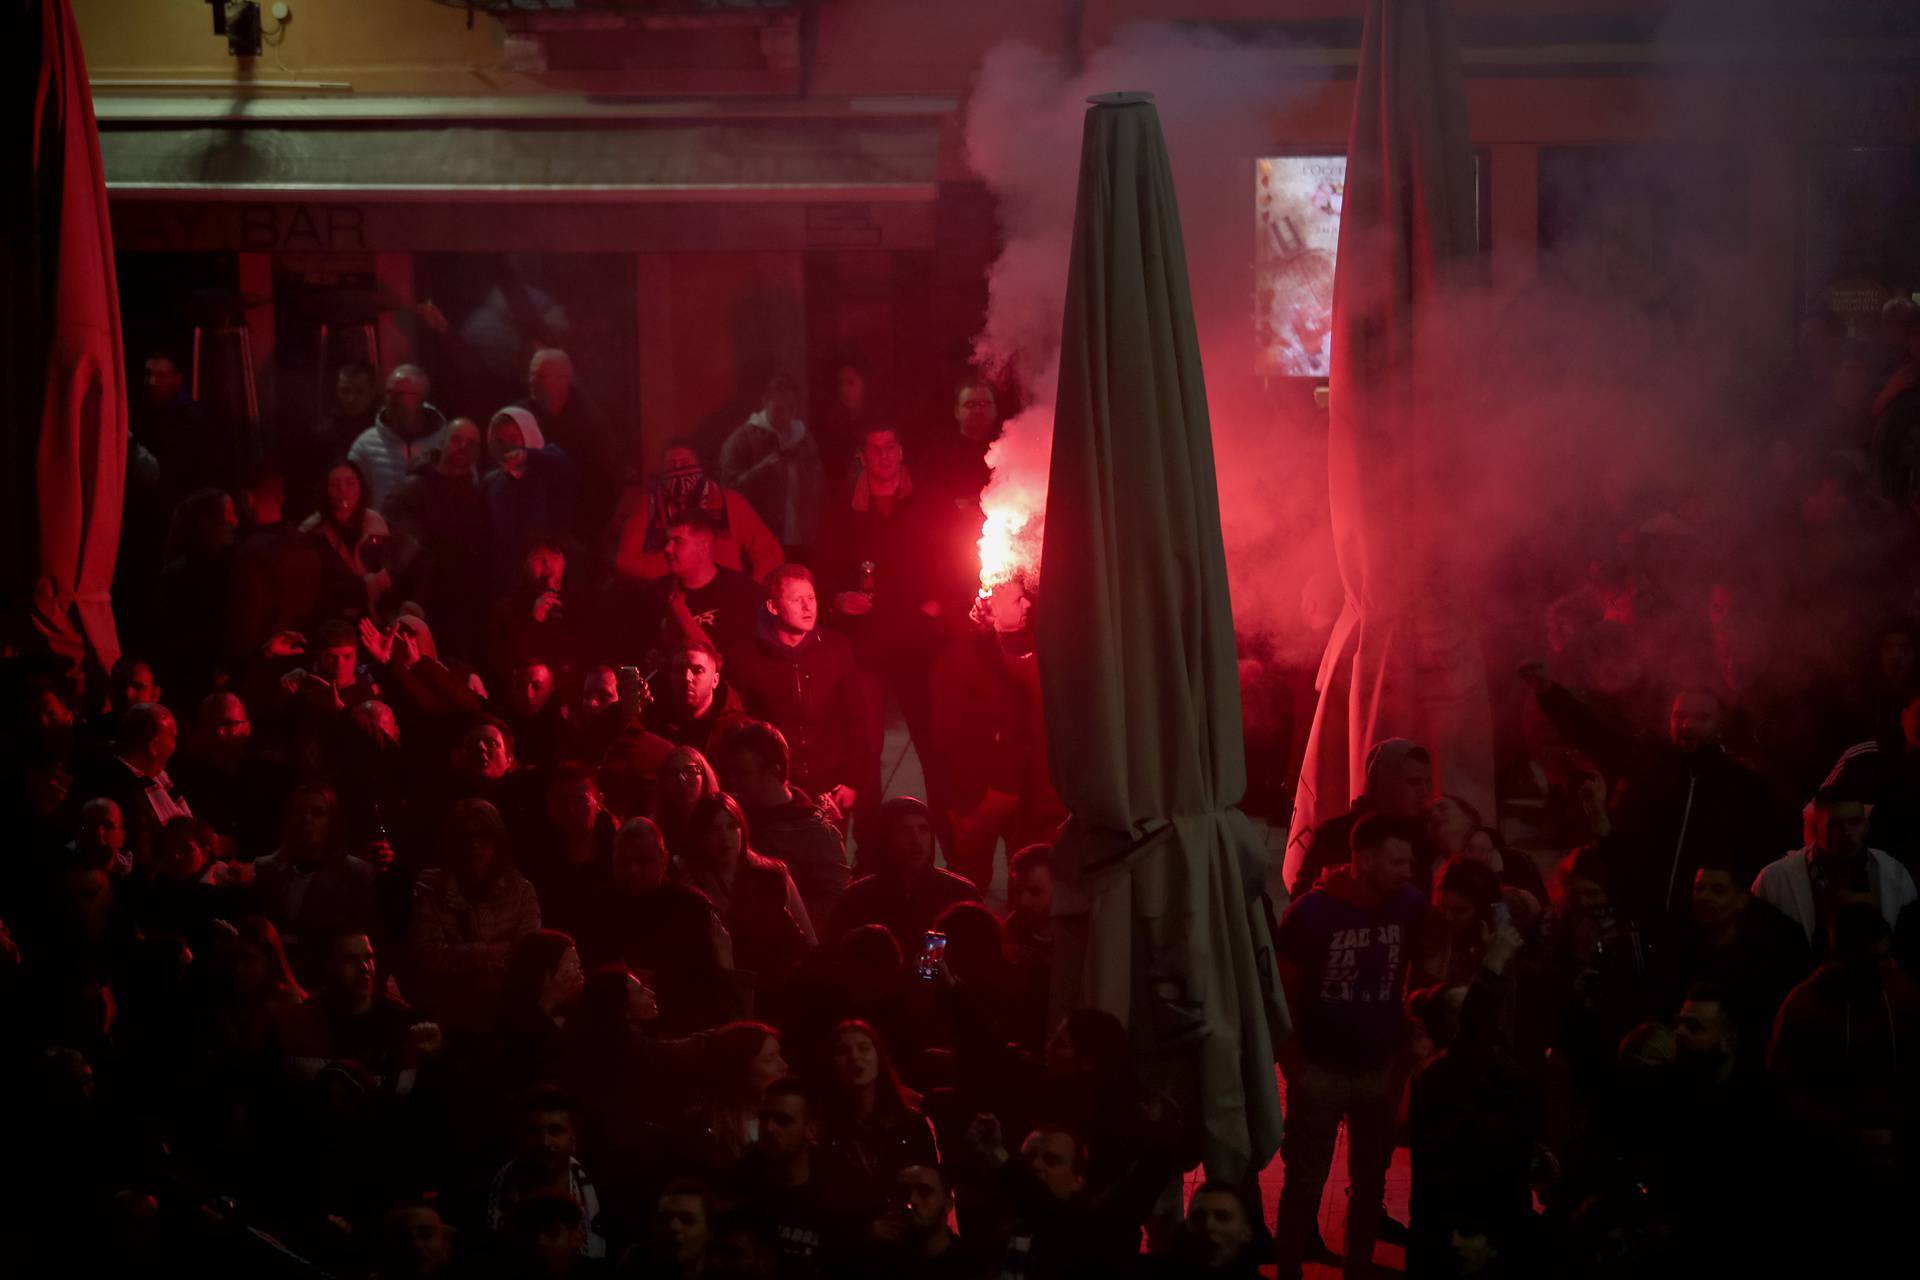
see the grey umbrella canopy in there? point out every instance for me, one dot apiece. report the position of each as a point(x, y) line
point(1159, 872)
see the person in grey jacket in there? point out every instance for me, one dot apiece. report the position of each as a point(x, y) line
point(404, 432)
point(773, 460)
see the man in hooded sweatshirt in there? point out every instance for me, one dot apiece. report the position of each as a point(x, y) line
point(1342, 951)
point(403, 433)
point(776, 464)
point(1399, 785)
point(531, 491)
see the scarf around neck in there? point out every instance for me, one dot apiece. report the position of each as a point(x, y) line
point(679, 491)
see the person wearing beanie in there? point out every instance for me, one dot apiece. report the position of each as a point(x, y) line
point(904, 890)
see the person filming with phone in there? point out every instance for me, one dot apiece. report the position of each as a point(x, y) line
point(905, 891)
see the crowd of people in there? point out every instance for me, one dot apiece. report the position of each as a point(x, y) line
point(1656, 1015)
point(480, 863)
point(448, 880)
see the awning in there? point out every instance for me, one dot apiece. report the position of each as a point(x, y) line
point(866, 157)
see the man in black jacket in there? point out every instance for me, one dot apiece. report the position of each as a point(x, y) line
point(440, 522)
point(877, 558)
point(692, 703)
point(1684, 798)
point(1050, 1222)
point(905, 891)
point(990, 737)
point(787, 824)
point(800, 678)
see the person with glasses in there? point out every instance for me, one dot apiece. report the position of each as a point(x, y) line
point(684, 780)
point(237, 788)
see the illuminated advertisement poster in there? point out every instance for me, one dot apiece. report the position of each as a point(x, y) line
point(1297, 200)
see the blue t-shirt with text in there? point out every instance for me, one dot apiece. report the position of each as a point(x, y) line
point(1354, 965)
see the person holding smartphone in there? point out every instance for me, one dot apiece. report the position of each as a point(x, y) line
point(905, 891)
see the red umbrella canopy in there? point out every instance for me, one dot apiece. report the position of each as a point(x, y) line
point(66, 469)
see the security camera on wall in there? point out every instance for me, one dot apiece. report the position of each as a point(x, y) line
point(239, 22)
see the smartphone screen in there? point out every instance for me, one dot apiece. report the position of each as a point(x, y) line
point(629, 685)
point(932, 948)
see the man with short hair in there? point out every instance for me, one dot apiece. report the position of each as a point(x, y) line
point(350, 1019)
point(193, 452)
point(332, 682)
point(698, 599)
point(989, 736)
point(1682, 796)
point(240, 790)
point(912, 1237)
point(548, 1163)
point(682, 1224)
point(1029, 919)
point(404, 432)
point(800, 678)
point(311, 887)
point(1835, 868)
point(607, 730)
point(693, 704)
point(742, 540)
point(953, 471)
point(134, 776)
point(903, 890)
point(1400, 785)
point(1738, 944)
point(1052, 1223)
point(548, 1230)
point(101, 837)
point(878, 552)
point(1217, 1237)
point(568, 418)
point(787, 824)
point(439, 523)
point(568, 851)
point(533, 711)
point(308, 448)
point(1342, 950)
point(131, 682)
point(774, 461)
point(539, 616)
point(417, 1242)
point(957, 462)
point(276, 578)
point(777, 1178)
point(1714, 1150)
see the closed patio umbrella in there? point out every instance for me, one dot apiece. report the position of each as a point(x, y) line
point(67, 432)
point(1405, 658)
point(1160, 918)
